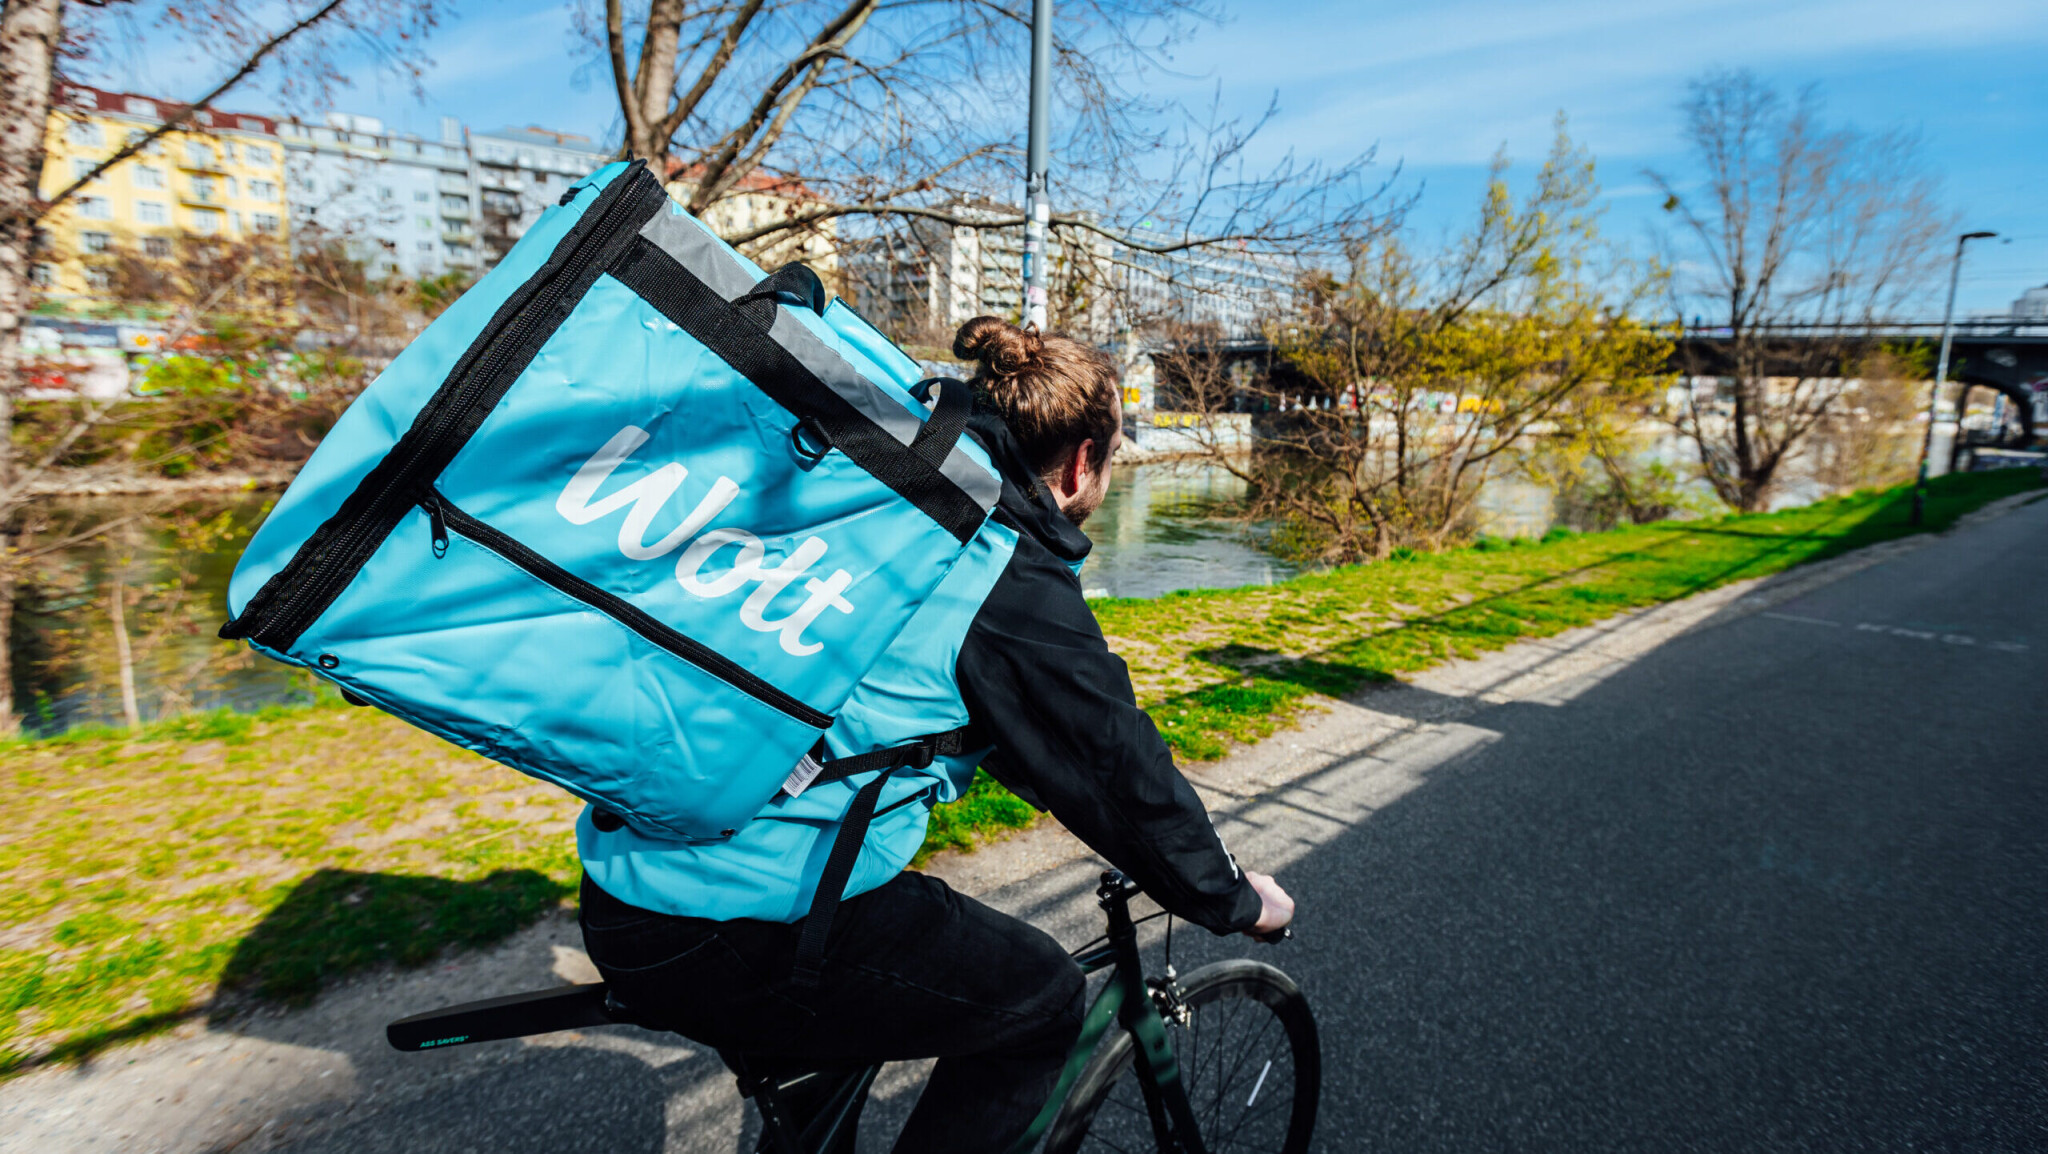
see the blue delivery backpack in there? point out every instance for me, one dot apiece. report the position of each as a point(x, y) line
point(631, 517)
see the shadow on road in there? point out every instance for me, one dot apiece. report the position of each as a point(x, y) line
point(1773, 886)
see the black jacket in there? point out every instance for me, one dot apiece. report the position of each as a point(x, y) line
point(1042, 687)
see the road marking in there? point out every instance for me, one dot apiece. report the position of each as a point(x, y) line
point(1935, 635)
point(1802, 620)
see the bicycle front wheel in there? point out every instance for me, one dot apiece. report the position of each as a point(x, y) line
point(1249, 1062)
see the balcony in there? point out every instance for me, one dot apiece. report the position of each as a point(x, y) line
point(455, 184)
point(202, 198)
point(454, 211)
point(458, 236)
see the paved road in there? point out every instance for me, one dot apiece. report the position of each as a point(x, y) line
point(1764, 870)
point(1779, 884)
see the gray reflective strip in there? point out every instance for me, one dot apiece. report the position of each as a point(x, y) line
point(696, 250)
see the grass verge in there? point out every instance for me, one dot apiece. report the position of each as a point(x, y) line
point(264, 854)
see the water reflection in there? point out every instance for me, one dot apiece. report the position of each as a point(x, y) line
point(1166, 527)
point(171, 561)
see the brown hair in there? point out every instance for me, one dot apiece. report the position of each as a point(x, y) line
point(1052, 391)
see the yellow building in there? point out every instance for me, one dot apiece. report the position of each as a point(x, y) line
point(223, 179)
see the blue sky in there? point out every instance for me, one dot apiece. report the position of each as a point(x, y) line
point(1438, 86)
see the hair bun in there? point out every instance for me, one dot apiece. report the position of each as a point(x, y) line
point(1003, 349)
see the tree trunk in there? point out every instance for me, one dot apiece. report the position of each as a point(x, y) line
point(29, 32)
point(124, 654)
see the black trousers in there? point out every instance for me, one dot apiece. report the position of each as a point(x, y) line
point(912, 970)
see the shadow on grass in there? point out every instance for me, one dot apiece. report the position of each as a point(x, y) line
point(337, 922)
point(333, 924)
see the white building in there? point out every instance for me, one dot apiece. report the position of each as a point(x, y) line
point(2032, 305)
point(519, 172)
point(404, 205)
point(929, 278)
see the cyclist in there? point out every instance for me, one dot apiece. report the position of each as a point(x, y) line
point(704, 938)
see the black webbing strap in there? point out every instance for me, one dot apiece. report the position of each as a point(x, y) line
point(853, 833)
point(793, 281)
point(941, 430)
point(740, 340)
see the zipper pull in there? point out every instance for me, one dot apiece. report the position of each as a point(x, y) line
point(432, 504)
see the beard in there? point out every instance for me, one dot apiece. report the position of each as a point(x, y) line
point(1083, 505)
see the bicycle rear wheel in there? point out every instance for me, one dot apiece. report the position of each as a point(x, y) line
point(1249, 1061)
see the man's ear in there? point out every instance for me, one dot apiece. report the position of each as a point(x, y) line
point(1074, 474)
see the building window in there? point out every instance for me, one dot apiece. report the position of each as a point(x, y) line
point(205, 222)
point(258, 154)
point(227, 150)
point(198, 155)
point(235, 221)
point(265, 222)
point(426, 246)
point(457, 203)
point(83, 132)
point(205, 188)
point(151, 212)
point(262, 190)
point(251, 124)
point(156, 247)
point(425, 223)
point(147, 176)
point(98, 279)
point(80, 167)
point(138, 106)
point(420, 197)
point(97, 242)
point(43, 275)
point(386, 192)
point(231, 186)
point(306, 184)
point(95, 208)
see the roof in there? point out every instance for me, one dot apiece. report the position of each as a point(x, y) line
point(133, 106)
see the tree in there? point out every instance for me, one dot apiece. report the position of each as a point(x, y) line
point(40, 39)
point(1412, 380)
point(1789, 226)
point(893, 112)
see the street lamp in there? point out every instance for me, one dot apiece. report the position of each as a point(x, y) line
point(1948, 318)
point(1037, 204)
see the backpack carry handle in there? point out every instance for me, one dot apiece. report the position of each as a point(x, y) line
point(792, 284)
point(941, 431)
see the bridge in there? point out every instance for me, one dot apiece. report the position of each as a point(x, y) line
point(2005, 356)
point(2009, 356)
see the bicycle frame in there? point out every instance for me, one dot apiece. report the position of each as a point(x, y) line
point(1129, 1001)
point(1125, 999)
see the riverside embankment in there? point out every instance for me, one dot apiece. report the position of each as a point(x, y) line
point(214, 861)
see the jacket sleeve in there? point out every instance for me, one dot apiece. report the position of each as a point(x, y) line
point(1042, 687)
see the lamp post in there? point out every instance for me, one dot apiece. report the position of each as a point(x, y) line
point(1948, 319)
point(1037, 205)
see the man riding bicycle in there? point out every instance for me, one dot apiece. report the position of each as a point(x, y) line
point(707, 939)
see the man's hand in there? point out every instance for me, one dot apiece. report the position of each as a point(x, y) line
point(1279, 908)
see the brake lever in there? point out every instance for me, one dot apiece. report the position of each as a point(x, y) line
point(1274, 938)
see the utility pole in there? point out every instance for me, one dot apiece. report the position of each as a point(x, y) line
point(1948, 319)
point(1037, 205)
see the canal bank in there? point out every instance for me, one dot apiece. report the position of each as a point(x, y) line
point(268, 854)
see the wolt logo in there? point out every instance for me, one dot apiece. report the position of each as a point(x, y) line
point(580, 504)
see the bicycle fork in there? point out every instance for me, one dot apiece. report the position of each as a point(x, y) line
point(1158, 1067)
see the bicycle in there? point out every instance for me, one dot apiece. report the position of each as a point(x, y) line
point(1181, 1074)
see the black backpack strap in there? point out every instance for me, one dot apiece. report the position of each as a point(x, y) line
point(853, 832)
point(948, 419)
point(793, 284)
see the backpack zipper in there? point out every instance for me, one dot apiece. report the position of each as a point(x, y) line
point(444, 516)
point(309, 584)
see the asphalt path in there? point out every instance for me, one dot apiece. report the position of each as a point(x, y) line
point(1760, 871)
point(1777, 885)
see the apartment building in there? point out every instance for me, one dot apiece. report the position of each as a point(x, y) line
point(221, 179)
point(403, 205)
point(925, 279)
point(519, 172)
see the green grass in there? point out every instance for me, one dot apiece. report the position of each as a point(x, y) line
point(207, 860)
